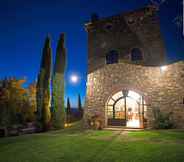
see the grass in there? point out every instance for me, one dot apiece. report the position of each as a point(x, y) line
point(76, 145)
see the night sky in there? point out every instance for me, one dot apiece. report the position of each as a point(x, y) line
point(24, 24)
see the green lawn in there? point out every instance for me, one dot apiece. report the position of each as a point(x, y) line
point(75, 145)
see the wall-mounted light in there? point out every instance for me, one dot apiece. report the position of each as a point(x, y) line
point(163, 68)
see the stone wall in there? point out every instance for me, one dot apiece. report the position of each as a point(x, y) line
point(161, 89)
point(123, 32)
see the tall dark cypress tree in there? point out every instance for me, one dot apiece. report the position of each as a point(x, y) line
point(80, 107)
point(43, 86)
point(68, 111)
point(58, 110)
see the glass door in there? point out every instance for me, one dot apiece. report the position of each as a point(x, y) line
point(126, 108)
point(133, 113)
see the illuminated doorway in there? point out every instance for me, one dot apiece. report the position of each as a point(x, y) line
point(126, 108)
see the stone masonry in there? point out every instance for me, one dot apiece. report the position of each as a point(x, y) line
point(161, 89)
point(140, 29)
point(123, 32)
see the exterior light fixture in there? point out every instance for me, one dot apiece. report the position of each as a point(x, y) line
point(163, 68)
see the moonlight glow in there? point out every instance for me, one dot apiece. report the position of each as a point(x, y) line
point(74, 78)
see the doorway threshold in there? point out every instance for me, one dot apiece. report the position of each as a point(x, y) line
point(120, 128)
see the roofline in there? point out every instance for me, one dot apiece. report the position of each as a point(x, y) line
point(121, 14)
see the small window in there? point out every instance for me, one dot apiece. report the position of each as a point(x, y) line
point(136, 54)
point(108, 26)
point(112, 57)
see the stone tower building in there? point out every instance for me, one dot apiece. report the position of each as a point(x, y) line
point(127, 83)
point(125, 35)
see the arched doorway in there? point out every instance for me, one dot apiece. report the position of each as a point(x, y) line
point(126, 108)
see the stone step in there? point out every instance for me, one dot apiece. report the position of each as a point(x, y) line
point(116, 128)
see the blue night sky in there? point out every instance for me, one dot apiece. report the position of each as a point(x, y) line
point(25, 24)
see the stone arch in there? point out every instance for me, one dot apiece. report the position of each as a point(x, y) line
point(118, 89)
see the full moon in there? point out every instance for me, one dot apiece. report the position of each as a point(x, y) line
point(74, 78)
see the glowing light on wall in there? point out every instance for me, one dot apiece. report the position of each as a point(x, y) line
point(163, 68)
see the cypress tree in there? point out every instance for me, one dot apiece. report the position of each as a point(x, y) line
point(43, 87)
point(80, 107)
point(68, 111)
point(58, 110)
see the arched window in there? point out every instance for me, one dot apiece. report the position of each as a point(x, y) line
point(112, 57)
point(126, 108)
point(136, 54)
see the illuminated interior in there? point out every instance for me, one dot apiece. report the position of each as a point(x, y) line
point(126, 108)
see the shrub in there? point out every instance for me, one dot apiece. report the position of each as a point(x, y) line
point(162, 120)
point(95, 122)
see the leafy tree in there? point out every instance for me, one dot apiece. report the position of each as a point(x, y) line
point(17, 104)
point(162, 120)
point(30, 106)
point(4, 109)
point(43, 87)
point(58, 110)
point(12, 101)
